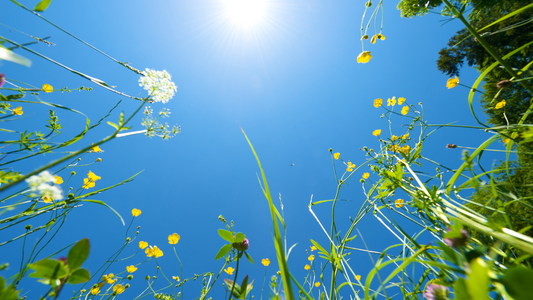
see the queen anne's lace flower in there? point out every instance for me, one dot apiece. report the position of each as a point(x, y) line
point(158, 85)
point(40, 186)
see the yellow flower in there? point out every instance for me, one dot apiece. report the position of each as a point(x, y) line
point(311, 257)
point(401, 100)
point(405, 110)
point(96, 149)
point(313, 248)
point(317, 284)
point(405, 136)
point(143, 245)
point(177, 278)
point(500, 104)
point(173, 239)
point(46, 199)
point(395, 148)
point(405, 149)
point(373, 39)
point(17, 111)
point(364, 37)
point(348, 169)
point(58, 179)
point(307, 267)
point(380, 36)
point(136, 212)
point(376, 132)
point(399, 203)
point(153, 251)
point(95, 290)
point(393, 138)
point(47, 88)
point(131, 269)
point(364, 57)
point(107, 278)
point(119, 289)
point(378, 102)
point(265, 262)
point(336, 155)
point(87, 183)
point(391, 101)
point(229, 270)
point(452, 82)
point(366, 175)
point(93, 176)
point(358, 277)
point(505, 141)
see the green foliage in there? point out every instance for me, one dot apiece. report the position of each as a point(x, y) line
point(518, 283)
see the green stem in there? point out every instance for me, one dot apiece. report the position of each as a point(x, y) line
point(235, 279)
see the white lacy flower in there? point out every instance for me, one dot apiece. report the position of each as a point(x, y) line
point(50, 191)
point(40, 185)
point(158, 85)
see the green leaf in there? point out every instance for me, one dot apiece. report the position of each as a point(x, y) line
point(321, 249)
point(79, 276)
point(244, 284)
point(78, 254)
point(226, 235)
point(223, 251)
point(249, 257)
point(9, 293)
point(113, 124)
point(477, 283)
point(42, 5)
point(239, 237)
point(236, 289)
point(460, 290)
point(518, 283)
point(49, 269)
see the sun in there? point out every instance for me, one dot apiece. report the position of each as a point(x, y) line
point(246, 13)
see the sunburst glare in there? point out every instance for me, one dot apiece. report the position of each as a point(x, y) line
point(246, 13)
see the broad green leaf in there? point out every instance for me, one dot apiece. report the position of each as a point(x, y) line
point(226, 235)
point(239, 237)
point(460, 290)
point(223, 251)
point(42, 5)
point(249, 257)
point(518, 283)
point(244, 284)
point(49, 269)
point(477, 283)
point(11, 56)
point(79, 276)
point(78, 254)
point(236, 289)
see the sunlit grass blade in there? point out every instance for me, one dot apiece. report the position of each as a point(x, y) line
point(285, 275)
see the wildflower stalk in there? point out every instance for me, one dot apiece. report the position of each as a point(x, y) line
point(83, 150)
point(181, 269)
point(235, 279)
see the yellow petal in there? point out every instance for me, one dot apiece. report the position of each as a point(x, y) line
point(364, 57)
point(136, 212)
point(173, 238)
point(48, 88)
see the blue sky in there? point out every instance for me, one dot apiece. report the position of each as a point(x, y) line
point(292, 82)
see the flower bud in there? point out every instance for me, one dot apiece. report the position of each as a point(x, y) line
point(73, 173)
point(242, 246)
point(28, 227)
point(99, 159)
point(127, 285)
point(130, 277)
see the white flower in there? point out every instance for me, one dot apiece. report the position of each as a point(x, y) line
point(158, 85)
point(36, 180)
point(40, 184)
point(53, 192)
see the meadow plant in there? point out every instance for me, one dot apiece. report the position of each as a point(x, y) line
point(439, 260)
